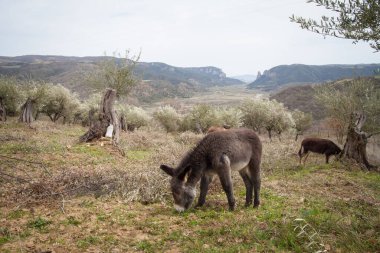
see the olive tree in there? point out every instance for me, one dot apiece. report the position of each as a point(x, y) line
point(168, 118)
point(35, 95)
point(356, 105)
point(302, 121)
point(133, 118)
point(358, 20)
point(10, 97)
point(88, 110)
point(201, 118)
point(60, 103)
point(115, 76)
point(276, 118)
point(254, 113)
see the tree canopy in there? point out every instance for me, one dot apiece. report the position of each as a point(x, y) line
point(358, 20)
point(116, 73)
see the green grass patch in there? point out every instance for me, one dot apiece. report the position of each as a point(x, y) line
point(89, 150)
point(17, 214)
point(71, 220)
point(20, 148)
point(39, 223)
point(5, 235)
point(138, 155)
point(87, 242)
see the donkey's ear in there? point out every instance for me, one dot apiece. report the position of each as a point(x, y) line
point(182, 174)
point(167, 169)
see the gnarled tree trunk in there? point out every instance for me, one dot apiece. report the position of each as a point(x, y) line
point(3, 114)
point(356, 143)
point(27, 112)
point(107, 116)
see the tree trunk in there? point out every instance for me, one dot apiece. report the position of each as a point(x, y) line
point(107, 116)
point(3, 114)
point(131, 127)
point(123, 125)
point(269, 134)
point(356, 143)
point(27, 112)
point(356, 147)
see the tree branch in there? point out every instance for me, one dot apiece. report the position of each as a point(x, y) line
point(372, 134)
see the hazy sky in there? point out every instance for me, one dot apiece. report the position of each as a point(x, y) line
point(240, 37)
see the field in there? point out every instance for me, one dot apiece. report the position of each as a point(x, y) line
point(60, 196)
point(231, 95)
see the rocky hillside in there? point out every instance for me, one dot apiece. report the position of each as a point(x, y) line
point(158, 78)
point(287, 75)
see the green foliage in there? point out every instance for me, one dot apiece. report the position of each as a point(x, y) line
point(39, 223)
point(345, 99)
point(168, 118)
point(357, 20)
point(268, 114)
point(116, 73)
point(10, 94)
point(302, 121)
point(87, 242)
point(229, 116)
point(89, 108)
point(60, 102)
point(254, 113)
point(135, 117)
point(201, 118)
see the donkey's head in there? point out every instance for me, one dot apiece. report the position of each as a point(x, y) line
point(183, 195)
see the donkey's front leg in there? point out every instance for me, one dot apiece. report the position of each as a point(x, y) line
point(224, 174)
point(205, 182)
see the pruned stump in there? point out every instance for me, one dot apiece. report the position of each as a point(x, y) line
point(107, 116)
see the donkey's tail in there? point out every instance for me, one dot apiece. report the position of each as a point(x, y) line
point(225, 160)
point(300, 152)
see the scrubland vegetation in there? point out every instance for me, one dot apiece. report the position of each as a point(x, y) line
point(59, 195)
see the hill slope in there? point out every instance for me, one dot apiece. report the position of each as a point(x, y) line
point(302, 74)
point(70, 72)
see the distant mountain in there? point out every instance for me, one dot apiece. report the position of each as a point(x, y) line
point(245, 78)
point(160, 79)
point(285, 75)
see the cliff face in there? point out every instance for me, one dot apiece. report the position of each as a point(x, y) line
point(283, 75)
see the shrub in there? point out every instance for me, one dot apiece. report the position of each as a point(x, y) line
point(61, 102)
point(135, 117)
point(10, 95)
point(200, 118)
point(168, 118)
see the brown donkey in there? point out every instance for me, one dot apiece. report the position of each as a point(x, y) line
point(317, 145)
point(218, 153)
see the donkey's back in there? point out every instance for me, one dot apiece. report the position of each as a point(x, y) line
point(238, 146)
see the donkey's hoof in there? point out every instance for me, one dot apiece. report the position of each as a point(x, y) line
point(247, 204)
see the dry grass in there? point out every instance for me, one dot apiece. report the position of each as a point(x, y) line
point(63, 196)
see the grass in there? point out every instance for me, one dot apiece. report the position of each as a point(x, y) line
point(123, 208)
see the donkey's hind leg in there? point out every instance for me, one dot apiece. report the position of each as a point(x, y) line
point(222, 166)
point(254, 173)
point(244, 173)
point(205, 182)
